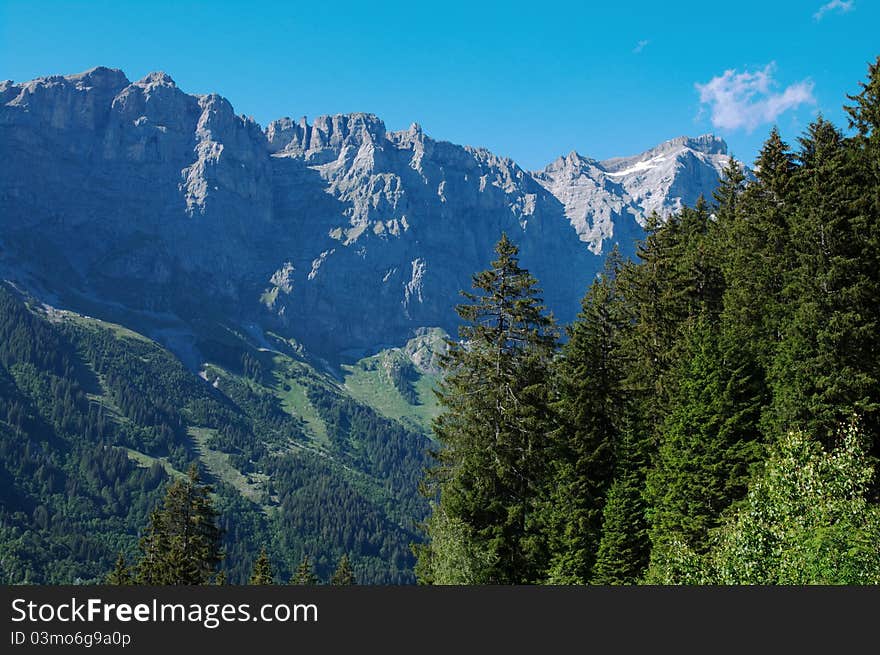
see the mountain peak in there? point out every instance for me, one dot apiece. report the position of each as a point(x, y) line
point(99, 76)
point(157, 78)
point(604, 199)
point(573, 162)
point(708, 144)
point(328, 133)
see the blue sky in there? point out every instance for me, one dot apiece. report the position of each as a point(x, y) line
point(527, 80)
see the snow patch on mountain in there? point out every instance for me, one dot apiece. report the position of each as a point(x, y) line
point(611, 199)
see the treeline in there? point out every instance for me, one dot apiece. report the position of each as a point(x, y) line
point(712, 416)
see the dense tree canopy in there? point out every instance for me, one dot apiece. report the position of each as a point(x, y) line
point(697, 410)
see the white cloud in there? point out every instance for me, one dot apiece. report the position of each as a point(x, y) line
point(746, 100)
point(640, 46)
point(843, 5)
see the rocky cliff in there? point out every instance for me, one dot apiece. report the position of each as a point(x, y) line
point(339, 233)
point(610, 200)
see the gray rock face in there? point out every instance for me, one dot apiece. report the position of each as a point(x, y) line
point(403, 223)
point(611, 199)
point(145, 194)
point(339, 233)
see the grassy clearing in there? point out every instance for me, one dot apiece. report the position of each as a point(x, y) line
point(147, 461)
point(291, 391)
point(369, 382)
point(219, 465)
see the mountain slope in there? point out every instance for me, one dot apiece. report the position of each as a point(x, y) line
point(94, 418)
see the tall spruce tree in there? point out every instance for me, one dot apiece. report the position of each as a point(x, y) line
point(699, 280)
point(727, 194)
point(864, 114)
point(305, 573)
point(181, 545)
point(493, 431)
point(654, 302)
point(825, 366)
point(656, 312)
point(262, 573)
point(864, 149)
point(676, 279)
point(589, 382)
point(708, 443)
point(344, 574)
point(757, 252)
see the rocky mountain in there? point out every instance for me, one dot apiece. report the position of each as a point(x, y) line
point(340, 233)
point(610, 200)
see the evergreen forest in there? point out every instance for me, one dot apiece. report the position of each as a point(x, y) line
point(711, 417)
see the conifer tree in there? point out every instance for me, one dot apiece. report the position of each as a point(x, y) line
point(676, 279)
point(657, 296)
point(493, 431)
point(730, 189)
point(653, 318)
point(121, 573)
point(181, 545)
point(757, 252)
point(262, 573)
point(774, 168)
point(624, 547)
point(864, 149)
point(699, 280)
point(864, 114)
point(825, 367)
point(305, 573)
point(589, 383)
point(708, 443)
point(343, 575)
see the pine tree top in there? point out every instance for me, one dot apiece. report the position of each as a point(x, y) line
point(864, 115)
point(344, 575)
point(775, 164)
point(305, 573)
point(182, 543)
point(121, 574)
point(505, 306)
point(822, 141)
point(262, 573)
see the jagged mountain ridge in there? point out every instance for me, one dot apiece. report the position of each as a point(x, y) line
point(339, 233)
point(611, 199)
